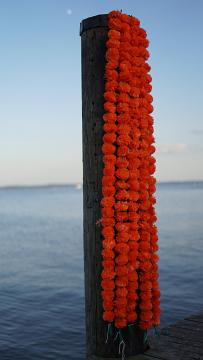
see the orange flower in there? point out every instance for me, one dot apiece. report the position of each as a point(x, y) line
point(109, 127)
point(121, 216)
point(108, 254)
point(122, 226)
point(121, 292)
point(108, 316)
point(123, 139)
point(123, 87)
point(121, 259)
point(108, 190)
point(120, 323)
point(107, 221)
point(122, 174)
point(122, 236)
point(108, 305)
point(108, 243)
point(121, 270)
point(107, 212)
point(108, 148)
point(121, 185)
point(111, 85)
point(110, 117)
point(122, 248)
point(122, 281)
point(107, 294)
point(108, 274)
point(131, 317)
point(109, 170)
point(122, 195)
point(121, 205)
point(114, 34)
point(108, 201)
point(109, 138)
point(109, 106)
point(107, 284)
point(123, 150)
point(120, 312)
point(108, 264)
point(110, 96)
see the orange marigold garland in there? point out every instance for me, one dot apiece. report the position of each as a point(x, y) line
point(130, 288)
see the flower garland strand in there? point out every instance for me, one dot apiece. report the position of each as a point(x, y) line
point(130, 288)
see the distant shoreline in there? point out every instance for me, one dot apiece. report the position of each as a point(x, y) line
point(79, 185)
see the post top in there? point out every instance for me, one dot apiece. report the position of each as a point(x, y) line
point(93, 22)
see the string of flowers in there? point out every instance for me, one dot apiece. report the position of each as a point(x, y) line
point(130, 288)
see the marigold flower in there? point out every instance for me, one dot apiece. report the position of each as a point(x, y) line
point(131, 317)
point(107, 212)
point(120, 226)
point(108, 274)
point(122, 236)
point(108, 316)
point(120, 312)
point(121, 281)
point(111, 75)
point(121, 259)
point(109, 138)
point(123, 118)
point(108, 264)
point(121, 270)
point(121, 185)
point(121, 292)
point(107, 294)
point(110, 96)
point(121, 216)
point(108, 231)
point(108, 254)
point(107, 284)
point(120, 302)
point(123, 139)
point(132, 276)
point(108, 201)
point(122, 248)
point(108, 191)
point(120, 323)
point(108, 243)
point(133, 245)
point(121, 205)
point(108, 305)
point(123, 87)
point(122, 195)
point(110, 107)
point(122, 174)
point(109, 127)
point(123, 150)
point(108, 148)
point(107, 221)
point(111, 85)
point(132, 255)
point(110, 117)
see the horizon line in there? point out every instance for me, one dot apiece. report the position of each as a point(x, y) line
point(75, 184)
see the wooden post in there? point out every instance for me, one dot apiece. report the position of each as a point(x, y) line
point(93, 33)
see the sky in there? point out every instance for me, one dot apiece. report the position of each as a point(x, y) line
point(40, 87)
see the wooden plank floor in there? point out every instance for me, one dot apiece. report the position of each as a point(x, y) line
point(181, 341)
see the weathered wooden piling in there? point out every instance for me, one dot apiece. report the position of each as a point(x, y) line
point(93, 33)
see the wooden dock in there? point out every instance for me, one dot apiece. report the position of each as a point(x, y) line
point(181, 341)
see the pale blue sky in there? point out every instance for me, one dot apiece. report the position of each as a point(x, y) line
point(40, 89)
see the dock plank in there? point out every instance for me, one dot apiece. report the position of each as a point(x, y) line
point(180, 341)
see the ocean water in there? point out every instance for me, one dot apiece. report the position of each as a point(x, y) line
point(41, 266)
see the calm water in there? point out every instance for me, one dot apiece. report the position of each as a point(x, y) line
point(41, 267)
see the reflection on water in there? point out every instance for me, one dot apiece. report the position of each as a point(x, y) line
point(41, 266)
